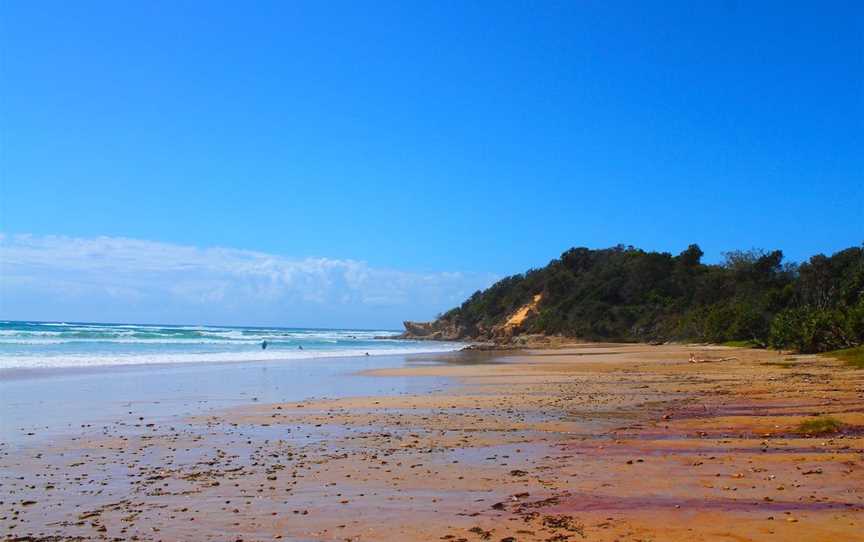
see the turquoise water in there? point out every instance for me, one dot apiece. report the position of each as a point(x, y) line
point(33, 345)
point(57, 378)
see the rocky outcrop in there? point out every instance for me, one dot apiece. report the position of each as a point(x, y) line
point(438, 330)
point(419, 329)
point(449, 329)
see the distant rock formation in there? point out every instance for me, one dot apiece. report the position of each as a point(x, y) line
point(446, 329)
point(438, 330)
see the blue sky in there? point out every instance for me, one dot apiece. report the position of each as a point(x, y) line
point(427, 139)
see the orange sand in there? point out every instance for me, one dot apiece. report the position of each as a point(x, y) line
point(588, 442)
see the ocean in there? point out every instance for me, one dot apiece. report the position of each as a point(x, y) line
point(57, 377)
point(33, 345)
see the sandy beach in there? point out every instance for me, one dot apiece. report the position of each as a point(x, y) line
point(484, 271)
point(598, 442)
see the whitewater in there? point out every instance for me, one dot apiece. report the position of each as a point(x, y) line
point(31, 345)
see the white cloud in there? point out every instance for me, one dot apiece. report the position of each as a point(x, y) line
point(106, 278)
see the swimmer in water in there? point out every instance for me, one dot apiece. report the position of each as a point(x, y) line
point(299, 347)
point(263, 345)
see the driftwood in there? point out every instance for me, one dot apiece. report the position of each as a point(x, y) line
point(695, 359)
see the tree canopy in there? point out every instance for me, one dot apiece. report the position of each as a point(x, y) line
point(624, 293)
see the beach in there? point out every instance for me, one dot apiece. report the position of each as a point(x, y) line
point(584, 441)
point(483, 271)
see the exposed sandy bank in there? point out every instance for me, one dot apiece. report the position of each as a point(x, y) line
point(594, 442)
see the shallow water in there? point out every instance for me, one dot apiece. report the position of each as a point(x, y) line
point(38, 404)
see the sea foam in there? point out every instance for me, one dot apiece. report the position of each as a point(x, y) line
point(25, 345)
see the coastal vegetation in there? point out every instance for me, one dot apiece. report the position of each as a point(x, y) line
point(820, 426)
point(854, 357)
point(753, 298)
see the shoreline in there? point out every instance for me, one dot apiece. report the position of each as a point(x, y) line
point(49, 403)
point(601, 441)
point(13, 373)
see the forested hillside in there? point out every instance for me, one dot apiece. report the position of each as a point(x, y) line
point(623, 293)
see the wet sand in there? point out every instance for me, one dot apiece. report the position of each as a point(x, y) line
point(588, 442)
